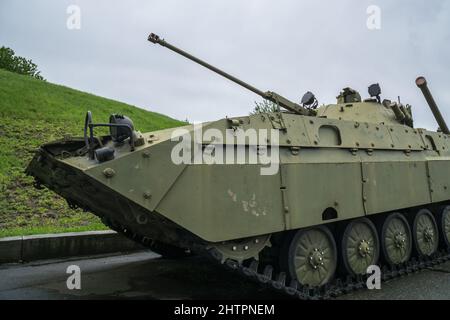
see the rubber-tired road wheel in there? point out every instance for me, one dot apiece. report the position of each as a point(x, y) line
point(396, 239)
point(425, 233)
point(360, 246)
point(312, 256)
point(444, 225)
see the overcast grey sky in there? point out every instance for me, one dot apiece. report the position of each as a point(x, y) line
point(285, 46)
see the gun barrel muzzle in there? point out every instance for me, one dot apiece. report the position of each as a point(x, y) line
point(154, 38)
point(421, 82)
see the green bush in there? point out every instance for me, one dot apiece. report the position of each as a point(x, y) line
point(265, 106)
point(9, 61)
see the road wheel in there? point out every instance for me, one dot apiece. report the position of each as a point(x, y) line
point(360, 247)
point(311, 257)
point(444, 226)
point(425, 233)
point(396, 239)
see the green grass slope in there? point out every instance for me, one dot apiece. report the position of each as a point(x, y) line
point(33, 112)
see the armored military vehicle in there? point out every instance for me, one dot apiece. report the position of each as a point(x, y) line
point(355, 185)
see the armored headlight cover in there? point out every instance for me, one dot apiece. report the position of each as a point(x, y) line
point(120, 133)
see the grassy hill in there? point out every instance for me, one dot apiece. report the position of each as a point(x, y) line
point(33, 112)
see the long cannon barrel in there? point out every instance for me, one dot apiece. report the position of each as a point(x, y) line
point(272, 96)
point(421, 82)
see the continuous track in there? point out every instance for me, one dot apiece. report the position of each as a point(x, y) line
point(266, 276)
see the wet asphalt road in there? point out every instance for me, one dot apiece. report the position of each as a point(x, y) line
point(144, 275)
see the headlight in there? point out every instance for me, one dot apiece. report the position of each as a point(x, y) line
point(119, 134)
point(104, 154)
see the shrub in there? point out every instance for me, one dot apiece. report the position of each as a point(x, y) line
point(9, 61)
point(265, 106)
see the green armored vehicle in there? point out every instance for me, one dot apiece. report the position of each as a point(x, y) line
point(306, 199)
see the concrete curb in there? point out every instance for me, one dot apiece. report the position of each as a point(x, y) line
point(63, 245)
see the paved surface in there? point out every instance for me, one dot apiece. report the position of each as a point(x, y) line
point(144, 275)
